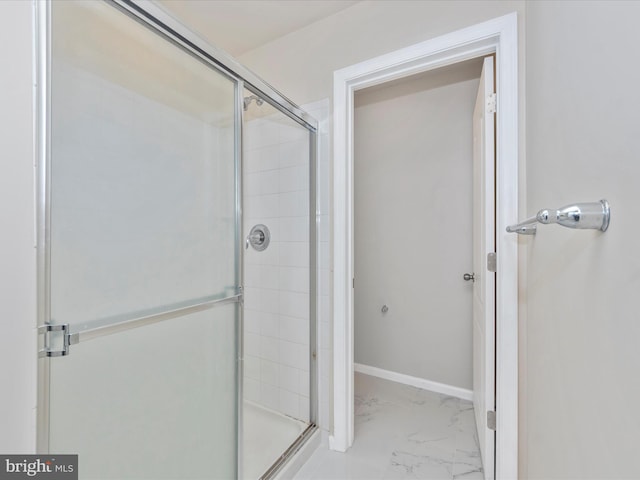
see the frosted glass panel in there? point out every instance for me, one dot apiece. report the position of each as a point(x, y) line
point(142, 170)
point(157, 402)
point(143, 220)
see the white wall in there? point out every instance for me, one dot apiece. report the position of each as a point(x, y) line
point(582, 330)
point(413, 225)
point(17, 220)
point(302, 63)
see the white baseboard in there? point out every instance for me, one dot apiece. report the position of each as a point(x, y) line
point(423, 383)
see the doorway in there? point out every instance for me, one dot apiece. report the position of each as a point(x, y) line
point(413, 184)
point(415, 222)
point(497, 36)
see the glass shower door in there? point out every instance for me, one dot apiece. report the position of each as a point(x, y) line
point(142, 258)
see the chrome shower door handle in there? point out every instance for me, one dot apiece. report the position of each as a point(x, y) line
point(469, 276)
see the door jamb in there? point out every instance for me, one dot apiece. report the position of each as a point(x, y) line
point(497, 36)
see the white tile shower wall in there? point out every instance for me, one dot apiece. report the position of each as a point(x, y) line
point(276, 193)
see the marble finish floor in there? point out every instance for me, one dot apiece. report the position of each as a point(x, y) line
point(403, 432)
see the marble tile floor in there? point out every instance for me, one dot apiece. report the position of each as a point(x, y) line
point(403, 432)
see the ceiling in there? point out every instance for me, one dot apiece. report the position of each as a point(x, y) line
point(238, 26)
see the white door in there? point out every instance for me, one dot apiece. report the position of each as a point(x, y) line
point(484, 243)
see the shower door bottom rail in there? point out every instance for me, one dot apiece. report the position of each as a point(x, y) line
point(297, 444)
point(66, 338)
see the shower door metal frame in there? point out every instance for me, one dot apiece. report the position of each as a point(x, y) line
point(157, 20)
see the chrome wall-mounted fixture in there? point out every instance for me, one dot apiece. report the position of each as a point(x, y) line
point(591, 215)
point(259, 237)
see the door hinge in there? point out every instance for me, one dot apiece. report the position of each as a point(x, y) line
point(492, 103)
point(492, 261)
point(56, 340)
point(491, 420)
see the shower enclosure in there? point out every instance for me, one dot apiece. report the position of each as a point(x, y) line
point(153, 314)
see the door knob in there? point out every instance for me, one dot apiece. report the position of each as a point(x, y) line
point(469, 276)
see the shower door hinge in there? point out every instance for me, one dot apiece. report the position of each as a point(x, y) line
point(492, 104)
point(56, 340)
point(492, 261)
point(491, 420)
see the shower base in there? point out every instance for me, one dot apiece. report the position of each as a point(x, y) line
point(266, 435)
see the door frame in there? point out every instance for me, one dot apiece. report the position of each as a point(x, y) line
point(499, 36)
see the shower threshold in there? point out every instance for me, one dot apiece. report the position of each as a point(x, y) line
point(270, 440)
